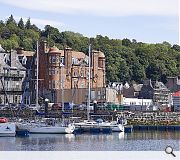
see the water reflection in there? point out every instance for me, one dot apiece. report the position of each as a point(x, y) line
point(70, 136)
point(121, 135)
point(152, 135)
point(88, 142)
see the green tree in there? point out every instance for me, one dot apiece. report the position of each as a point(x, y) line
point(126, 42)
point(28, 24)
point(11, 20)
point(5, 33)
point(21, 24)
point(27, 44)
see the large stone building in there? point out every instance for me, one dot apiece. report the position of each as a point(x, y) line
point(58, 69)
point(63, 74)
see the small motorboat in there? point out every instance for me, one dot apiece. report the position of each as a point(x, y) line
point(7, 129)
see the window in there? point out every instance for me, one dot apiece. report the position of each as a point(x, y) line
point(35, 61)
point(27, 73)
point(75, 73)
point(53, 71)
point(53, 84)
point(24, 60)
point(27, 85)
point(82, 85)
point(82, 72)
point(53, 59)
point(93, 95)
point(16, 99)
point(57, 71)
point(99, 94)
point(35, 86)
point(103, 94)
point(49, 84)
point(86, 60)
point(57, 59)
point(57, 85)
point(62, 60)
point(74, 61)
point(75, 83)
point(50, 59)
point(35, 72)
point(49, 71)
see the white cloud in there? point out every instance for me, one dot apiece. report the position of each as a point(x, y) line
point(101, 7)
point(41, 22)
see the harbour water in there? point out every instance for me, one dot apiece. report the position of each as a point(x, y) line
point(135, 141)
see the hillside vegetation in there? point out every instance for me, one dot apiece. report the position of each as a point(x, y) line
point(126, 60)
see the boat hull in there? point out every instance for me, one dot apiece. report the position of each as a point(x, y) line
point(50, 130)
point(7, 129)
point(44, 129)
point(101, 126)
point(118, 128)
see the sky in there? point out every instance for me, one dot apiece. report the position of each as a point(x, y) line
point(150, 21)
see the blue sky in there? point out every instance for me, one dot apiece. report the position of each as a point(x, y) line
point(151, 21)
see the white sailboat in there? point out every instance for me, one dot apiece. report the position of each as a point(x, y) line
point(44, 128)
point(114, 126)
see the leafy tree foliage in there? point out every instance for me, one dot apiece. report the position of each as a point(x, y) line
point(126, 60)
point(28, 24)
point(21, 24)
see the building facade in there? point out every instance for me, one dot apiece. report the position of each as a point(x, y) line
point(12, 75)
point(176, 100)
point(156, 91)
point(63, 75)
point(173, 83)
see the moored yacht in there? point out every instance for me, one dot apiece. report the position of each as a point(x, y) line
point(46, 128)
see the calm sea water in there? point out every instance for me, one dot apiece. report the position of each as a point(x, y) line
point(136, 141)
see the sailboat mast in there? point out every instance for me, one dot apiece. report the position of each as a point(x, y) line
point(37, 73)
point(89, 84)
